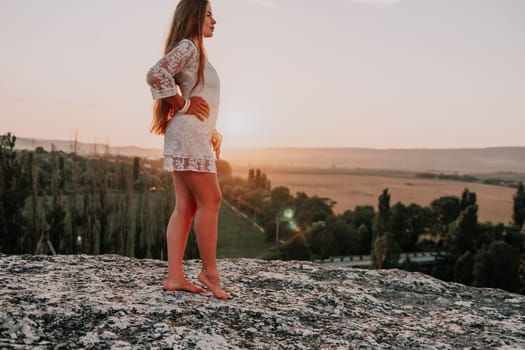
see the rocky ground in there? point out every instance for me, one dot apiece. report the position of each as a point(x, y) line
point(99, 302)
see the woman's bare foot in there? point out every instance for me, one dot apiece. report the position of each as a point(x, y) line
point(183, 285)
point(213, 284)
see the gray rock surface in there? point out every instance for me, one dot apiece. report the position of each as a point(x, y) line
point(98, 302)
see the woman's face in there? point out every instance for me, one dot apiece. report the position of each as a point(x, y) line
point(209, 23)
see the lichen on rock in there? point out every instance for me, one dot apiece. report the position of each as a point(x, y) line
point(111, 301)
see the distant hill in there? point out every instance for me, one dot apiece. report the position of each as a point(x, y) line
point(85, 149)
point(475, 160)
point(482, 160)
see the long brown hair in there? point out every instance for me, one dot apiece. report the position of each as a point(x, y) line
point(187, 23)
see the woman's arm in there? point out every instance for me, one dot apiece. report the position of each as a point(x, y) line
point(163, 85)
point(160, 76)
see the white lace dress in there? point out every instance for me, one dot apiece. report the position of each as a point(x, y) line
point(187, 139)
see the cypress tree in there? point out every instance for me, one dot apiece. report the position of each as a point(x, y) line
point(56, 215)
point(15, 187)
point(383, 217)
point(518, 213)
point(34, 202)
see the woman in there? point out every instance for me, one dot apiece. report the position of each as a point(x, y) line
point(186, 91)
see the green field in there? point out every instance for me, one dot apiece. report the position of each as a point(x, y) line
point(238, 238)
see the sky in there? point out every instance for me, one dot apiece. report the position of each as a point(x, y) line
point(294, 73)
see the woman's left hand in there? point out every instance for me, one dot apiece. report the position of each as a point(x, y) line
point(216, 141)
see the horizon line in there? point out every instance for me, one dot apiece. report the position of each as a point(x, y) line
point(420, 148)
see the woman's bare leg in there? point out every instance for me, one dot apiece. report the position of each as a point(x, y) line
point(205, 189)
point(177, 234)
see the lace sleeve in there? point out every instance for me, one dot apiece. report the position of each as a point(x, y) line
point(160, 76)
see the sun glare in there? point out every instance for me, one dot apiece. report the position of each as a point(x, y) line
point(238, 128)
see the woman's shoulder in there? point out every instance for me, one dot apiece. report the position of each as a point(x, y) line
point(187, 44)
point(185, 48)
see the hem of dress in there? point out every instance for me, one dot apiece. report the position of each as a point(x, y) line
point(170, 165)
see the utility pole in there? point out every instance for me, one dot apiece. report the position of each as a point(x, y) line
point(277, 230)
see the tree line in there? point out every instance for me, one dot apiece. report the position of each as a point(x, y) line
point(306, 228)
point(53, 202)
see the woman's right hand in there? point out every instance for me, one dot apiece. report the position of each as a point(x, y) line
point(199, 108)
